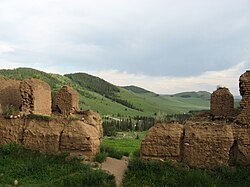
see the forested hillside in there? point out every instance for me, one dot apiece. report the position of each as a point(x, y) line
point(108, 99)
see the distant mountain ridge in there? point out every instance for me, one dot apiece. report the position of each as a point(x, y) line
point(136, 89)
point(106, 98)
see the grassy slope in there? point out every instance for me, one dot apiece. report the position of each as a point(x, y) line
point(31, 168)
point(150, 103)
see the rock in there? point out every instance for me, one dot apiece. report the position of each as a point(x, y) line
point(15, 182)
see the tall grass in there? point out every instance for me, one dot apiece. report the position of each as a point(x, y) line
point(109, 151)
point(161, 174)
point(31, 168)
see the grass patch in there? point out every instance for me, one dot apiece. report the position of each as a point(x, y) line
point(39, 117)
point(125, 141)
point(109, 151)
point(154, 173)
point(31, 168)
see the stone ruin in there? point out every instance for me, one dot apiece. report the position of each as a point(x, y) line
point(244, 116)
point(79, 136)
point(205, 141)
point(221, 103)
point(36, 97)
point(67, 100)
point(9, 94)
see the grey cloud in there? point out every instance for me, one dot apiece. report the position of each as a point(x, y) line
point(162, 37)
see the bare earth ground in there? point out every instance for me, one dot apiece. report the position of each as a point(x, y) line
point(116, 167)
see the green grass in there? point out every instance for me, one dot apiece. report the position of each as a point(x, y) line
point(31, 168)
point(152, 173)
point(125, 141)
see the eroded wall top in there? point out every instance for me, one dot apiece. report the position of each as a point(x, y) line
point(244, 84)
point(36, 97)
point(222, 102)
point(9, 94)
point(67, 100)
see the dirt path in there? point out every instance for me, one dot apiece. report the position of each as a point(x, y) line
point(116, 167)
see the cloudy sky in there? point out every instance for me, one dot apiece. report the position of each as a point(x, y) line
point(166, 46)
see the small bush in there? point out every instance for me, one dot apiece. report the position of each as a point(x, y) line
point(100, 157)
point(136, 153)
point(10, 110)
point(111, 152)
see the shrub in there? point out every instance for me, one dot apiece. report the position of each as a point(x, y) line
point(10, 110)
point(111, 152)
point(100, 157)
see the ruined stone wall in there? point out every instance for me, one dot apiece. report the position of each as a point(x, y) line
point(58, 135)
point(67, 100)
point(244, 84)
point(198, 144)
point(36, 97)
point(9, 94)
point(207, 145)
point(221, 103)
point(160, 137)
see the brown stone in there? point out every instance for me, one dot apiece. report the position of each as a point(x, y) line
point(207, 145)
point(241, 148)
point(244, 84)
point(94, 119)
point(9, 94)
point(80, 138)
point(11, 130)
point(43, 136)
point(36, 97)
point(222, 103)
point(67, 100)
point(163, 141)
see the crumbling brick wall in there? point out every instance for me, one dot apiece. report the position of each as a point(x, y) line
point(36, 97)
point(198, 144)
point(67, 100)
point(77, 137)
point(163, 141)
point(244, 84)
point(9, 94)
point(222, 102)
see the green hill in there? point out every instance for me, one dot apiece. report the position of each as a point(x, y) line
point(136, 89)
point(99, 95)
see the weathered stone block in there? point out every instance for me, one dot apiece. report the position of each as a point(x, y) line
point(11, 130)
point(9, 94)
point(43, 136)
point(207, 145)
point(80, 138)
point(36, 97)
point(222, 102)
point(67, 100)
point(163, 141)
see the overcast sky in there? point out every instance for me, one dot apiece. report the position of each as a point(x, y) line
point(166, 46)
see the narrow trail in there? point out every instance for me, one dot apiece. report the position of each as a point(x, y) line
point(116, 167)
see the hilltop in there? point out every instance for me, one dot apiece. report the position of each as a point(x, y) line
point(108, 99)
